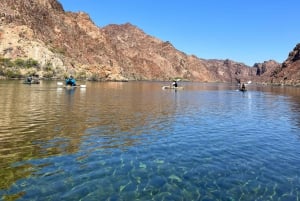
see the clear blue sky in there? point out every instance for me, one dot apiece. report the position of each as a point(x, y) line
point(247, 31)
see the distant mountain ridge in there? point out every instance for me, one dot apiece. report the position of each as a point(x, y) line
point(66, 43)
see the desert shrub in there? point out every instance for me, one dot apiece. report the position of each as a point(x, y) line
point(6, 62)
point(48, 67)
point(12, 68)
point(19, 63)
point(31, 63)
point(48, 74)
point(13, 73)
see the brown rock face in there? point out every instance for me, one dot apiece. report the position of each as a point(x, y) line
point(68, 42)
point(287, 73)
point(290, 69)
point(266, 70)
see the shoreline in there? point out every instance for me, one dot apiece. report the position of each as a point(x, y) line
point(253, 83)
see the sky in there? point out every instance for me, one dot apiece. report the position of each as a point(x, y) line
point(246, 31)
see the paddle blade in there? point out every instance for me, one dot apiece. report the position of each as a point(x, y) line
point(60, 83)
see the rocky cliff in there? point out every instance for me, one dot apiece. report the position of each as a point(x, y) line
point(289, 71)
point(62, 43)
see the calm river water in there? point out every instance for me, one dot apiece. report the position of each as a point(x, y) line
point(135, 141)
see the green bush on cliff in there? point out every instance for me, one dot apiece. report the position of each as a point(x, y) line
point(49, 72)
point(12, 68)
point(28, 63)
point(31, 63)
point(48, 67)
point(13, 73)
point(6, 62)
point(19, 63)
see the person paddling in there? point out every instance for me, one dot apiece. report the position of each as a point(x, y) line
point(242, 87)
point(70, 81)
point(29, 79)
point(174, 84)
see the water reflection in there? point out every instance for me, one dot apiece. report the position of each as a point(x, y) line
point(32, 117)
point(43, 128)
point(43, 120)
point(124, 113)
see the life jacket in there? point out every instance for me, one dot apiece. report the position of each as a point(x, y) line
point(71, 81)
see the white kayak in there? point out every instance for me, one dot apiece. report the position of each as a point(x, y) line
point(76, 86)
point(172, 87)
point(60, 84)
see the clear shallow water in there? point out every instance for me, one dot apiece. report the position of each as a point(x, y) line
point(135, 141)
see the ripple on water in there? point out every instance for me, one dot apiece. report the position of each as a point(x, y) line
point(158, 145)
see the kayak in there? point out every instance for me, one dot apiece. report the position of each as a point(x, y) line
point(242, 90)
point(76, 86)
point(172, 87)
point(60, 84)
point(32, 82)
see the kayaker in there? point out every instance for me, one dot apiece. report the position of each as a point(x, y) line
point(174, 84)
point(243, 87)
point(70, 81)
point(29, 79)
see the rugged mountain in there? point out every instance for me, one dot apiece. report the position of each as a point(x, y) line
point(39, 37)
point(289, 71)
point(61, 42)
point(64, 42)
point(146, 57)
point(265, 71)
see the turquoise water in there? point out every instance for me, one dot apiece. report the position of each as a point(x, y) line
point(135, 141)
